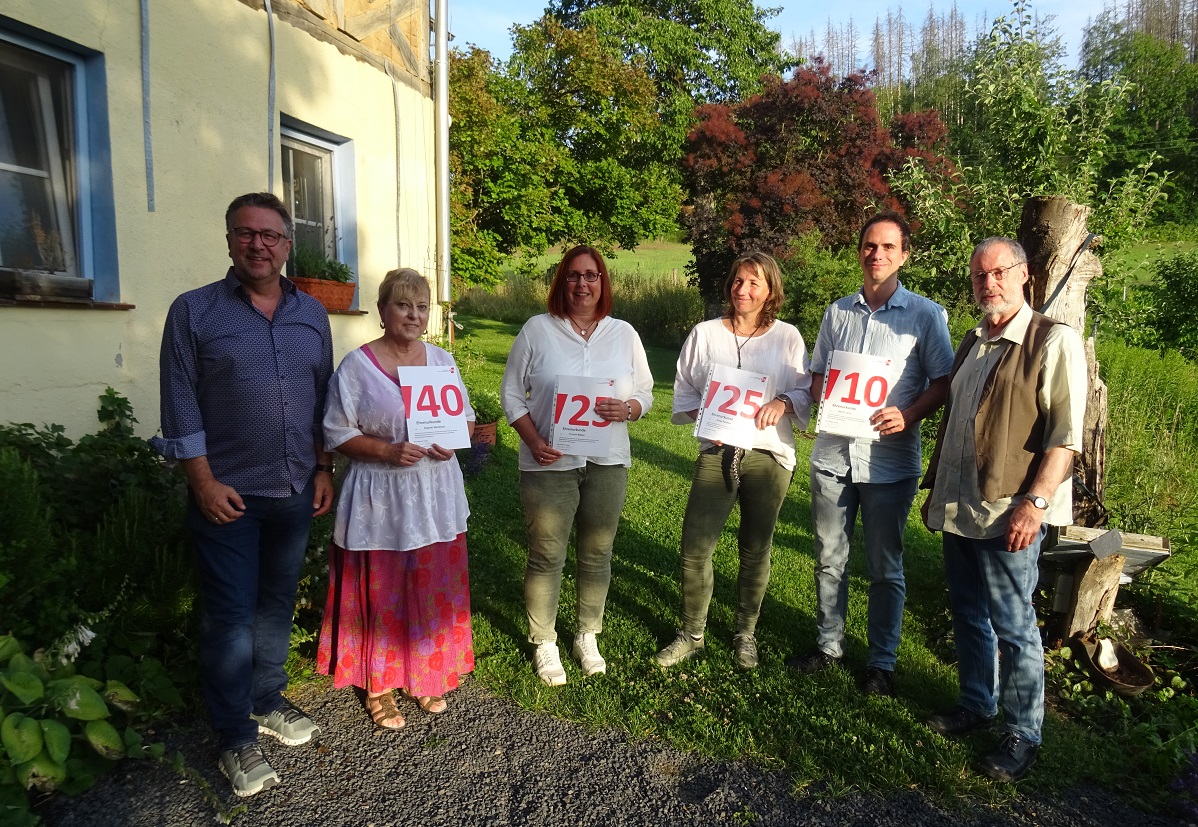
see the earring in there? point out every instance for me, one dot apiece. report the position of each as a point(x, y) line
point(383, 325)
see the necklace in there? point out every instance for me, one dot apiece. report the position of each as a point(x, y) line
point(739, 343)
point(583, 331)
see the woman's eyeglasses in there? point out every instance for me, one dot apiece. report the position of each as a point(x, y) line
point(589, 276)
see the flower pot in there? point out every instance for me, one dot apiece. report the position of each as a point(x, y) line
point(333, 295)
point(485, 433)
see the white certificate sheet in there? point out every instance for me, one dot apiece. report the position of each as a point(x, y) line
point(730, 403)
point(577, 429)
point(856, 386)
point(436, 406)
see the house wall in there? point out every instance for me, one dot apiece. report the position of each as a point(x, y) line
point(209, 80)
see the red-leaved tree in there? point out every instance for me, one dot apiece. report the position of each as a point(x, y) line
point(806, 154)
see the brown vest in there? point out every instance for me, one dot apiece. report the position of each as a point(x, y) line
point(1009, 427)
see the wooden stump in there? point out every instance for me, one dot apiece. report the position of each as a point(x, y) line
point(1053, 232)
point(1095, 586)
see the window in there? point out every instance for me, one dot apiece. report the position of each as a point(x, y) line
point(318, 189)
point(57, 222)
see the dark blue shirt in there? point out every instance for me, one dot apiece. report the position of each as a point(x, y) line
point(244, 390)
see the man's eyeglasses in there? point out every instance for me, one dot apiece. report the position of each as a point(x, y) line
point(998, 273)
point(589, 276)
point(245, 235)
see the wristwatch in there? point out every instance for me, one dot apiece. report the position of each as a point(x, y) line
point(785, 400)
point(1039, 502)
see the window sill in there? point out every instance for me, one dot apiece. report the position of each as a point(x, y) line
point(76, 304)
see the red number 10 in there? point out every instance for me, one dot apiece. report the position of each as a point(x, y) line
point(876, 388)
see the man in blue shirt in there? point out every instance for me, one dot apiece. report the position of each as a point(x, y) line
point(244, 367)
point(877, 477)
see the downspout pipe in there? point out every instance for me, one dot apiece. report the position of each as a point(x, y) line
point(441, 129)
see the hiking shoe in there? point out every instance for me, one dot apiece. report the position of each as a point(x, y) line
point(1010, 760)
point(247, 770)
point(681, 648)
point(288, 725)
point(586, 652)
point(958, 721)
point(811, 662)
point(745, 647)
point(878, 681)
point(549, 663)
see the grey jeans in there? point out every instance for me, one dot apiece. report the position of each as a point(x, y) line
point(760, 489)
point(591, 498)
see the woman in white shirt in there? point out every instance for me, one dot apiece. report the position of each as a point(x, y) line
point(576, 338)
point(398, 609)
point(748, 337)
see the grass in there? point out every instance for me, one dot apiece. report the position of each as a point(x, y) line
point(819, 729)
point(650, 258)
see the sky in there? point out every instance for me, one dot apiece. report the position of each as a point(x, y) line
point(486, 23)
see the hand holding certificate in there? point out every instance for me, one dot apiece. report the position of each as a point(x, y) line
point(855, 387)
point(730, 405)
point(436, 406)
point(577, 428)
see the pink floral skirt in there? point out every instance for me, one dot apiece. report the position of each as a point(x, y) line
point(398, 619)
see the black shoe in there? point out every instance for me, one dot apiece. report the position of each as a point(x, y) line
point(1010, 760)
point(878, 682)
point(958, 721)
point(812, 661)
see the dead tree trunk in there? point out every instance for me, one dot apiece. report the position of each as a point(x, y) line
point(1053, 232)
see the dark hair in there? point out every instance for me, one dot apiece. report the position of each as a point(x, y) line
point(1013, 247)
point(267, 200)
point(557, 290)
point(889, 217)
point(404, 283)
point(765, 266)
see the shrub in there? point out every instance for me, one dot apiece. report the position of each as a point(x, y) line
point(1175, 315)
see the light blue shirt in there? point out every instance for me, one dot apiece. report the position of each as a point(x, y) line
point(908, 327)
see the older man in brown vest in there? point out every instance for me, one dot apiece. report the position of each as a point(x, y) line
point(1000, 475)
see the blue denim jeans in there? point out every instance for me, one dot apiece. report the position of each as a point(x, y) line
point(249, 569)
point(761, 490)
point(999, 653)
point(884, 508)
point(590, 498)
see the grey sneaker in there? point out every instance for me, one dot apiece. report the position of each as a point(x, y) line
point(683, 647)
point(288, 725)
point(586, 652)
point(745, 647)
point(549, 663)
point(247, 770)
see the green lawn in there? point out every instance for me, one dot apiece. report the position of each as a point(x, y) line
point(1133, 265)
point(818, 728)
point(652, 258)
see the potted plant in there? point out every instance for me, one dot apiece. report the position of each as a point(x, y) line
point(325, 279)
point(487, 410)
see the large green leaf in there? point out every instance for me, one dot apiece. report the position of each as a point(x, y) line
point(120, 696)
point(76, 698)
point(57, 738)
point(22, 737)
point(42, 773)
point(104, 739)
point(9, 646)
point(24, 685)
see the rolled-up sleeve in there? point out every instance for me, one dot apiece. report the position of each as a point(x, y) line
point(183, 434)
point(515, 387)
point(689, 378)
point(1064, 389)
point(642, 379)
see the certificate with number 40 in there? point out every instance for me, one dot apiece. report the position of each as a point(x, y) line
point(436, 406)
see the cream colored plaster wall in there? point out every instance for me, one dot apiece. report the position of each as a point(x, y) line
point(209, 72)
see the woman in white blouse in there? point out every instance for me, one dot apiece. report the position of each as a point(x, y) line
point(576, 338)
point(749, 337)
point(398, 608)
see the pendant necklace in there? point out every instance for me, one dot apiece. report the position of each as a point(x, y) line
point(583, 331)
point(739, 343)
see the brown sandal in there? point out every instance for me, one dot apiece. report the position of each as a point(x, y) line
point(433, 705)
point(383, 712)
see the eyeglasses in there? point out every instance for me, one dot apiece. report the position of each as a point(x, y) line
point(589, 276)
point(998, 273)
point(245, 235)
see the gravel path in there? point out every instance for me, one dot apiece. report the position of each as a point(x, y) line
point(488, 762)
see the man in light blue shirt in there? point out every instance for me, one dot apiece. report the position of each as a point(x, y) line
point(877, 477)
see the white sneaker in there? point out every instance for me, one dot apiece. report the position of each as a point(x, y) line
point(549, 663)
point(586, 652)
